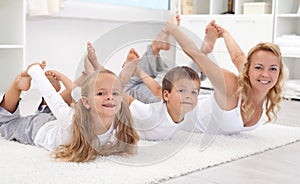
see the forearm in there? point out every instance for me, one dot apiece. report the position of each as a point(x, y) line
point(236, 54)
point(188, 46)
point(127, 72)
point(69, 85)
point(152, 84)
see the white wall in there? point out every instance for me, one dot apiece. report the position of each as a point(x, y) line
point(61, 39)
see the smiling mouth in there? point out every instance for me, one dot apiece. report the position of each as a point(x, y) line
point(109, 105)
point(264, 81)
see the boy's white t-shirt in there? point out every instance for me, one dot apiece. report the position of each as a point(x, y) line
point(153, 122)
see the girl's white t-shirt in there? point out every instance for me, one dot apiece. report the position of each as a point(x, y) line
point(58, 132)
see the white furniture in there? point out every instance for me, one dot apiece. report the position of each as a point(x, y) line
point(284, 19)
point(247, 30)
point(12, 40)
point(287, 36)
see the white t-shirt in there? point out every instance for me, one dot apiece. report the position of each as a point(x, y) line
point(153, 122)
point(57, 132)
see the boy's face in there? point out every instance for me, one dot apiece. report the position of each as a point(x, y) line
point(183, 96)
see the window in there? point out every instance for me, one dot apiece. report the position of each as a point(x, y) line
point(155, 4)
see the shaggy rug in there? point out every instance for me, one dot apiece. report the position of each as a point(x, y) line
point(154, 162)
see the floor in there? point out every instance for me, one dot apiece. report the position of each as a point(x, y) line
point(281, 165)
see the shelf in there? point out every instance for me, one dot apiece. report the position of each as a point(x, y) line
point(292, 89)
point(290, 56)
point(12, 40)
point(11, 46)
point(291, 15)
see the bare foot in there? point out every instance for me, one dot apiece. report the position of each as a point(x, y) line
point(23, 81)
point(129, 66)
point(132, 55)
point(162, 41)
point(210, 38)
point(54, 79)
point(92, 56)
point(88, 67)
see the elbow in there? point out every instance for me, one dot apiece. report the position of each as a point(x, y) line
point(158, 92)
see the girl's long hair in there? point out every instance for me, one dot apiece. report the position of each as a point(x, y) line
point(274, 95)
point(85, 145)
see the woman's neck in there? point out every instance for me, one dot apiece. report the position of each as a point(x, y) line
point(258, 99)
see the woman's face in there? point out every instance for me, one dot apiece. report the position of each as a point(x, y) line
point(264, 70)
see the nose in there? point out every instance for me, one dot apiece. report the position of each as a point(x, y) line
point(188, 95)
point(265, 73)
point(109, 96)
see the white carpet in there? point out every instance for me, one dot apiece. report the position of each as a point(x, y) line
point(155, 161)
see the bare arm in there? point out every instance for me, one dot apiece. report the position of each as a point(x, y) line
point(69, 85)
point(151, 84)
point(237, 56)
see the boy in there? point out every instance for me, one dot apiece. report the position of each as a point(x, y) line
point(151, 63)
point(160, 120)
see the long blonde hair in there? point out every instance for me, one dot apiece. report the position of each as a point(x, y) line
point(85, 145)
point(274, 95)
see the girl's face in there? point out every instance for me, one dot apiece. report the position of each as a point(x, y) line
point(264, 70)
point(183, 96)
point(105, 99)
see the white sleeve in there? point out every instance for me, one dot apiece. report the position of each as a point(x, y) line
point(55, 102)
point(140, 110)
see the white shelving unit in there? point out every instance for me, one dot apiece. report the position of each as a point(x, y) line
point(216, 7)
point(258, 27)
point(287, 36)
point(12, 40)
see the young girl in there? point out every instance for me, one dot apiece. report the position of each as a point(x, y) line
point(84, 132)
point(238, 102)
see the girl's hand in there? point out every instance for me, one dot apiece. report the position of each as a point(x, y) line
point(55, 74)
point(171, 24)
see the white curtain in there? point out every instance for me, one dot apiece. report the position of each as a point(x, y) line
point(44, 7)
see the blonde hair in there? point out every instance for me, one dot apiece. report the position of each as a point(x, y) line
point(274, 95)
point(85, 145)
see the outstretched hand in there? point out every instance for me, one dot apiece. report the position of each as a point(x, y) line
point(171, 24)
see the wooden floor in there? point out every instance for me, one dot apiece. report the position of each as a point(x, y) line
point(281, 165)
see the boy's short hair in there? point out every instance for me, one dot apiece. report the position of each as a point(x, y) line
point(176, 74)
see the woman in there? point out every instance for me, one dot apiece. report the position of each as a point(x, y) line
point(238, 102)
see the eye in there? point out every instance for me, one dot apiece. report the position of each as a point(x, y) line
point(181, 90)
point(194, 92)
point(274, 69)
point(116, 93)
point(101, 93)
point(258, 68)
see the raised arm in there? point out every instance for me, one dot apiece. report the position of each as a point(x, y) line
point(238, 57)
point(130, 68)
point(223, 81)
point(55, 102)
point(151, 84)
